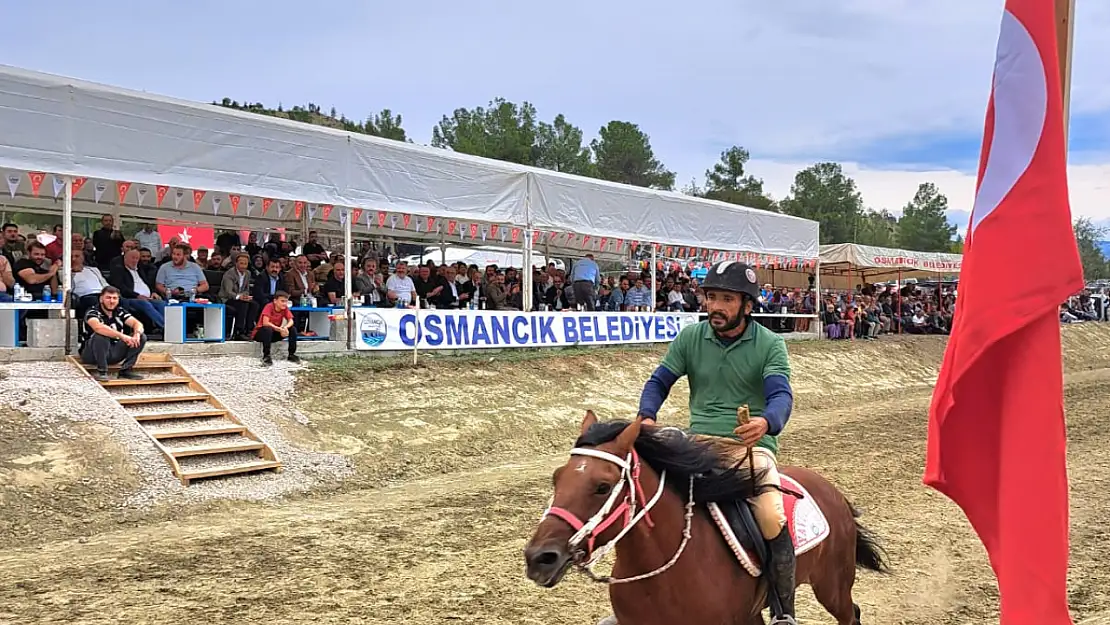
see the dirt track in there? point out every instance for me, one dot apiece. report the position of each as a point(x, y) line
point(442, 544)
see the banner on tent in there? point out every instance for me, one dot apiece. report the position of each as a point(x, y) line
point(393, 329)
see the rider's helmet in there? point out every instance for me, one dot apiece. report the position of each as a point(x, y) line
point(731, 275)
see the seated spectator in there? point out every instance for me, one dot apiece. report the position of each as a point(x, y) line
point(399, 287)
point(268, 284)
point(147, 268)
point(88, 284)
point(202, 257)
point(137, 289)
point(450, 295)
point(638, 297)
point(675, 301)
point(33, 273)
point(180, 278)
point(235, 291)
point(128, 245)
point(276, 320)
point(103, 342)
point(14, 248)
point(335, 287)
point(300, 281)
point(496, 296)
point(7, 279)
point(428, 284)
point(369, 283)
point(471, 292)
point(556, 298)
point(54, 251)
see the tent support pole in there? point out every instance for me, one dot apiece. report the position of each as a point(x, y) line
point(526, 280)
point(67, 261)
point(654, 276)
point(818, 302)
point(348, 287)
point(898, 311)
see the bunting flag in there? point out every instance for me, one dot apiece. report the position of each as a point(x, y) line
point(13, 183)
point(451, 226)
point(406, 219)
point(393, 221)
point(370, 214)
point(381, 219)
point(484, 232)
point(234, 199)
point(177, 196)
point(99, 190)
point(516, 234)
point(327, 208)
point(536, 234)
point(431, 223)
point(312, 208)
point(503, 234)
point(78, 183)
point(141, 194)
point(198, 196)
point(298, 209)
point(280, 209)
point(493, 230)
point(59, 184)
point(474, 232)
point(121, 189)
point(357, 216)
point(620, 244)
point(604, 243)
point(215, 205)
point(160, 192)
point(670, 251)
point(343, 216)
point(633, 245)
point(36, 181)
point(585, 240)
point(569, 239)
point(251, 203)
point(266, 203)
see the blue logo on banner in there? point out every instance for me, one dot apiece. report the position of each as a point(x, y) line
point(373, 329)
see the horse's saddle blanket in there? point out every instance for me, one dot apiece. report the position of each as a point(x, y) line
point(805, 520)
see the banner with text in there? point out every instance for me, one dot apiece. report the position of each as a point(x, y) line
point(399, 329)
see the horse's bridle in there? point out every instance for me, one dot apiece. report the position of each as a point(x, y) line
point(610, 512)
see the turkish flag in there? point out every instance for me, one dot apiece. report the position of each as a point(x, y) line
point(195, 235)
point(997, 437)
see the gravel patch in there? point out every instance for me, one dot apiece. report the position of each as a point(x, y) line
point(176, 406)
point(211, 439)
point(149, 391)
point(54, 395)
point(199, 423)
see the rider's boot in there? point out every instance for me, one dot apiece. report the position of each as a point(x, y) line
point(782, 569)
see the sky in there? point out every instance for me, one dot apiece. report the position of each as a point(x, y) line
point(896, 90)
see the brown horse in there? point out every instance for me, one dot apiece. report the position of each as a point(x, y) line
point(672, 563)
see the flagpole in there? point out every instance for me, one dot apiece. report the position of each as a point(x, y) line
point(1065, 39)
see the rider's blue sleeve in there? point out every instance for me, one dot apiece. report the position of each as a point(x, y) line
point(655, 391)
point(780, 402)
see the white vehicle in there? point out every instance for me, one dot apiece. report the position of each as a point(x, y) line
point(481, 256)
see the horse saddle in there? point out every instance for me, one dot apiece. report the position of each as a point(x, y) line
point(736, 520)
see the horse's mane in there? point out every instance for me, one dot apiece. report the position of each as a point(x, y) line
point(718, 479)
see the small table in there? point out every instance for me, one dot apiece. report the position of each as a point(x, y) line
point(319, 321)
point(12, 312)
point(213, 325)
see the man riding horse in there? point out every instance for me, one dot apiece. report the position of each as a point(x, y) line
point(731, 361)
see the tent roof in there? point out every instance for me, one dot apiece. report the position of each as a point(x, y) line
point(875, 261)
point(71, 127)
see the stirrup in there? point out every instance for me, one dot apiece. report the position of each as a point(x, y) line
point(785, 619)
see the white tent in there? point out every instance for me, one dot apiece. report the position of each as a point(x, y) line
point(71, 127)
point(843, 265)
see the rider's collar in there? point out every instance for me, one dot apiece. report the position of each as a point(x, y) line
point(748, 334)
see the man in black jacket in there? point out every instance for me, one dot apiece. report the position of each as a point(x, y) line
point(267, 284)
point(137, 290)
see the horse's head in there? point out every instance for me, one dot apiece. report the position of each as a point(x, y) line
point(593, 490)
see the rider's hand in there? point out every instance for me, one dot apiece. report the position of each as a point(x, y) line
point(647, 421)
point(750, 433)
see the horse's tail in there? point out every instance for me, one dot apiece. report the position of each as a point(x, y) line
point(869, 553)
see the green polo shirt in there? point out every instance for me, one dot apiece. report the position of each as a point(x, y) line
point(723, 378)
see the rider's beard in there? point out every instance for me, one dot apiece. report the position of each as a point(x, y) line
point(731, 325)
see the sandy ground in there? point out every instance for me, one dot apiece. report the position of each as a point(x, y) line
point(453, 468)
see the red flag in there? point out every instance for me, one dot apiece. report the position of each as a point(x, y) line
point(515, 234)
point(36, 181)
point(406, 218)
point(122, 188)
point(356, 216)
point(381, 219)
point(431, 223)
point(266, 202)
point(493, 230)
point(451, 226)
point(473, 231)
point(195, 235)
point(78, 183)
point(298, 208)
point(234, 199)
point(997, 437)
point(198, 195)
point(160, 192)
point(327, 210)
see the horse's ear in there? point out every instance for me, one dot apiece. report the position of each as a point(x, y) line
point(588, 420)
point(627, 438)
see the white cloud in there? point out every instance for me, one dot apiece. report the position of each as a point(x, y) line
point(1088, 185)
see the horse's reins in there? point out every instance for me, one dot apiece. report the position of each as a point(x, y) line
point(585, 559)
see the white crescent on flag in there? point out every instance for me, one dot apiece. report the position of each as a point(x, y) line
point(1020, 102)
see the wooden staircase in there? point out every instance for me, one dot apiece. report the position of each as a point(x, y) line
point(197, 434)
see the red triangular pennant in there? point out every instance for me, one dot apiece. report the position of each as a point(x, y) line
point(473, 231)
point(266, 202)
point(493, 230)
point(381, 219)
point(78, 183)
point(160, 192)
point(431, 223)
point(121, 188)
point(36, 181)
point(451, 226)
point(405, 219)
point(515, 234)
point(198, 196)
point(298, 209)
point(327, 210)
point(356, 215)
point(234, 202)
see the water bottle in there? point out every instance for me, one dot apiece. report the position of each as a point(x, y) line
point(46, 293)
